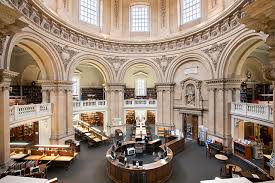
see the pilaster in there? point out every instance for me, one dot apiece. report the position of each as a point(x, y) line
point(221, 94)
point(114, 93)
point(165, 100)
point(6, 77)
point(59, 93)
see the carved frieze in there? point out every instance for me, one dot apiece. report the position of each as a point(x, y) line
point(164, 61)
point(116, 62)
point(214, 52)
point(65, 53)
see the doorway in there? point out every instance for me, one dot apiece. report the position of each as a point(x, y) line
point(190, 126)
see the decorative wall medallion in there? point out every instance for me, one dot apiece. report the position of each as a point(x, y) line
point(65, 53)
point(164, 61)
point(116, 62)
point(214, 52)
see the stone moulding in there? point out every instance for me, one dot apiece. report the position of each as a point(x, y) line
point(36, 13)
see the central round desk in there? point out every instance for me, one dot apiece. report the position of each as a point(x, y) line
point(156, 172)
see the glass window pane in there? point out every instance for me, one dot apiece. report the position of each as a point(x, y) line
point(89, 10)
point(139, 18)
point(190, 10)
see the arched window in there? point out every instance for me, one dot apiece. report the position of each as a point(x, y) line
point(190, 10)
point(89, 11)
point(140, 18)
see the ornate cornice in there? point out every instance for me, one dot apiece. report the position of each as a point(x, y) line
point(164, 61)
point(65, 53)
point(35, 12)
point(215, 51)
point(9, 23)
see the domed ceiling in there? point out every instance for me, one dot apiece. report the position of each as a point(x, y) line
point(138, 20)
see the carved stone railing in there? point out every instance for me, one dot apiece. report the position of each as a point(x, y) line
point(19, 113)
point(40, 16)
point(140, 103)
point(255, 111)
point(89, 105)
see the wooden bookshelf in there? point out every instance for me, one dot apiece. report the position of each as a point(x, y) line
point(26, 133)
point(151, 117)
point(130, 117)
point(94, 118)
point(243, 150)
point(89, 93)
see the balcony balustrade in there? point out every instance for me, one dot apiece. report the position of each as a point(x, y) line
point(19, 113)
point(140, 103)
point(255, 111)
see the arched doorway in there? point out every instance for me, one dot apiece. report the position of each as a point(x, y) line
point(89, 88)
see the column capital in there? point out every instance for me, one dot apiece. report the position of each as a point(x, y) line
point(6, 77)
point(55, 85)
point(165, 86)
point(119, 87)
point(224, 83)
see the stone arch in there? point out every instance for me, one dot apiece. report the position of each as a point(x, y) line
point(152, 64)
point(43, 53)
point(188, 58)
point(98, 62)
point(237, 51)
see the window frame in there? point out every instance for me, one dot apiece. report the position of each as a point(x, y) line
point(131, 19)
point(138, 90)
point(76, 84)
point(181, 13)
point(98, 14)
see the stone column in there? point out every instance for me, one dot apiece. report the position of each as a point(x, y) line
point(5, 80)
point(61, 98)
point(114, 93)
point(165, 103)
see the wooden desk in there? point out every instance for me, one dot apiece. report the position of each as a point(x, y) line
point(33, 157)
point(18, 179)
point(176, 145)
point(253, 177)
point(48, 158)
point(18, 156)
point(158, 171)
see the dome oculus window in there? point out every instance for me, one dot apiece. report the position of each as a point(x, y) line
point(190, 10)
point(89, 11)
point(139, 16)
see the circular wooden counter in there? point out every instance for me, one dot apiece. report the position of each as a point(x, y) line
point(156, 172)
